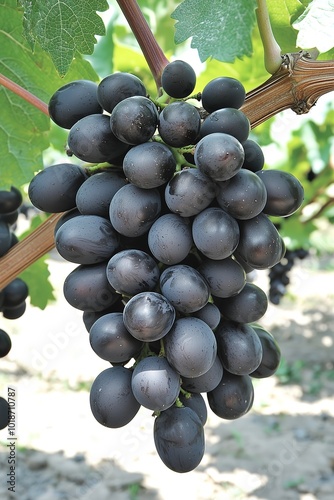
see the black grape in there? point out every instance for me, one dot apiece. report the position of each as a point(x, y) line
point(148, 316)
point(233, 397)
point(210, 314)
point(184, 287)
point(10, 200)
point(90, 139)
point(254, 157)
point(179, 438)
point(111, 398)
point(5, 343)
point(179, 124)
point(4, 413)
point(5, 238)
point(117, 87)
point(149, 165)
point(243, 196)
point(178, 79)
point(87, 288)
point(95, 194)
point(134, 120)
point(111, 341)
point(279, 274)
point(89, 317)
point(196, 402)
point(133, 210)
point(227, 121)
point(223, 92)
point(260, 244)
point(190, 347)
point(219, 156)
point(10, 218)
point(15, 293)
point(239, 347)
point(215, 233)
point(271, 355)
point(206, 382)
point(155, 384)
point(225, 277)
point(170, 238)
point(132, 271)
point(285, 193)
point(54, 189)
point(86, 239)
point(189, 192)
point(249, 305)
point(73, 101)
point(14, 312)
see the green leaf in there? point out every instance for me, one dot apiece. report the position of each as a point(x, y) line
point(221, 30)
point(24, 130)
point(282, 14)
point(40, 288)
point(64, 27)
point(315, 26)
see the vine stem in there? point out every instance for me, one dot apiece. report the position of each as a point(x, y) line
point(272, 51)
point(25, 94)
point(150, 48)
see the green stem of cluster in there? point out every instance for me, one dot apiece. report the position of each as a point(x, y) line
point(272, 51)
point(185, 393)
point(100, 167)
point(162, 352)
point(178, 403)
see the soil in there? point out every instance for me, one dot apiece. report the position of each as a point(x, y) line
point(282, 449)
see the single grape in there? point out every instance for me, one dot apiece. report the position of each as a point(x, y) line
point(148, 316)
point(227, 121)
point(189, 192)
point(239, 347)
point(190, 347)
point(219, 156)
point(86, 239)
point(254, 157)
point(111, 398)
point(178, 79)
point(133, 210)
point(260, 244)
point(249, 305)
point(15, 293)
point(215, 233)
point(132, 271)
point(90, 139)
point(223, 92)
point(73, 101)
point(206, 382)
point(117, 87)
point(5, 238)
point(5, 343)
point(10, 218)
point(170, 239)
point(226, 277)
point(87, 288)
point(242, 196)
point(95, 194)
point(285, 194)
point(14, 312)
point(155, 384)
point(197, 403)
point(10, 200)
point(149, 165)
point(134, 120)
point(185, 288)
point(179, 438)
point(233, 397)
point(271, 355)
point(54, 189)
point(179, 124)
point(210, 314)
point(111, 341)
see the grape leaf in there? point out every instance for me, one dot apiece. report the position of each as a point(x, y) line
point(36, 277)
point(24, 130)
point(282, 14)
point(315, 26)
point(220, 30)
point(64, 27)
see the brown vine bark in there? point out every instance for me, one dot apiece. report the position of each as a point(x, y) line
point(298, 84)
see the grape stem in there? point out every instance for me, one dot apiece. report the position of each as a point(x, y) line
point(150, 48)
point(272, 51)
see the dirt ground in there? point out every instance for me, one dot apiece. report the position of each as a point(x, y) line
point(282, 449)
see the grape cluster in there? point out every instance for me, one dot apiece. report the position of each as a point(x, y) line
point(279, 274)
point(13, 296)
point(163, 233)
